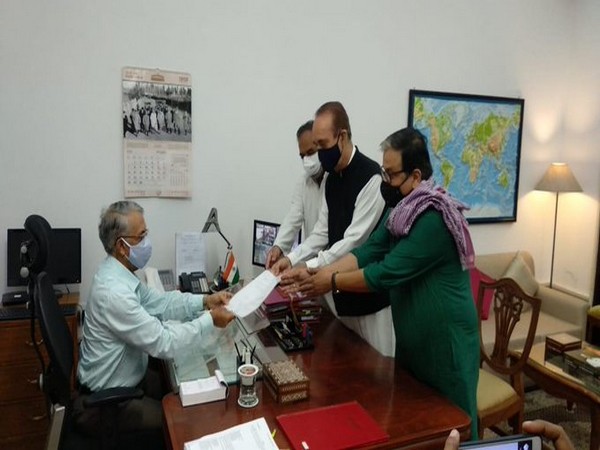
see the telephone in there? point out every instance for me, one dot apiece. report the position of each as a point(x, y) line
point(194, 282)
point(162, 280)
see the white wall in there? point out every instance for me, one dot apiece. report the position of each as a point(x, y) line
point(260, 69)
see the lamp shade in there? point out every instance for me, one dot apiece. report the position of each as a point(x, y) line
point(558, 178)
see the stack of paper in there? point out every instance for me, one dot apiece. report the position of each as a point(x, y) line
point(203, 390)
point(253, 435)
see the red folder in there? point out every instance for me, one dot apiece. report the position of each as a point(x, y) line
point(343, 426)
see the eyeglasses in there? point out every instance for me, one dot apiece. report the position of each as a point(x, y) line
point(387, 176)
point(139, 237)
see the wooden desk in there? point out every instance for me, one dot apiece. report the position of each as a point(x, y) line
point(556, 382)
point(342, 368)
point(24, 422)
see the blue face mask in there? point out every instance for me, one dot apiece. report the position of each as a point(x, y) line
point(139, 254)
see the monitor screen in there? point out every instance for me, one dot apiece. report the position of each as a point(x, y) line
point(64, 261)
point(264, 238)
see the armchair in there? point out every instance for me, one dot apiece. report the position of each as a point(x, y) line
point(498, 399)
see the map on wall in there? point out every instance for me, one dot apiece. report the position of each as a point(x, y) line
point(474, 143)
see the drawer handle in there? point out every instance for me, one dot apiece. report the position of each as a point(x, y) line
point(38, 343)
point(32, 380)
point(38, 418)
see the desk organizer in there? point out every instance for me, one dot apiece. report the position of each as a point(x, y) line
point(285, 381)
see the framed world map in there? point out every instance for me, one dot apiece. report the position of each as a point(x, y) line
point(475, 148)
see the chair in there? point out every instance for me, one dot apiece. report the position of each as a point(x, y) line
point(500, 391)
point(56, 377)
point(593, 322)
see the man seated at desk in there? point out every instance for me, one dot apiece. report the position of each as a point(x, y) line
point(124, 323)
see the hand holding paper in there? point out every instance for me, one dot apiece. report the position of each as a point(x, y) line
point(247, 300)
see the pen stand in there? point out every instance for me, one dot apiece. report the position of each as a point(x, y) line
point(292, 337)
point(248, 374)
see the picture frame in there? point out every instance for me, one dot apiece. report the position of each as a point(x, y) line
point(263, 238)
point(474, 143)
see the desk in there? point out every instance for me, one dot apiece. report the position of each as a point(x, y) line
point(556, 382)
point(24, 423)
point(341, 368)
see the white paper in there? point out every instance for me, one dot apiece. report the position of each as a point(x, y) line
point(253, 294)
point(253, 435)
point(190, 252)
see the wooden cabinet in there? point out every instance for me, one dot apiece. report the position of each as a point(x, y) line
point(23, 418)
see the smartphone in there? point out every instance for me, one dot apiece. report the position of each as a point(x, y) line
point(519, 442)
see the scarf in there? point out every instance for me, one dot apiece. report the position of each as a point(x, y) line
point(426, 196)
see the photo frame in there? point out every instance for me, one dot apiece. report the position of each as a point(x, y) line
point(263, 238)
point(474, 143)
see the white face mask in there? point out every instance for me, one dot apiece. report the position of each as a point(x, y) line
point(312, 165)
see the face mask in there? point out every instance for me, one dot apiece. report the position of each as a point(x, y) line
point(139, 254)
point(392, 194)
point(329, 157)
point(311, 165)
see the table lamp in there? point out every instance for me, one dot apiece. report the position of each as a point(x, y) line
point(230, 275)
point(558, 178)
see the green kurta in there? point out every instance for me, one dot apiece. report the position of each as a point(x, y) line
point(435, 319)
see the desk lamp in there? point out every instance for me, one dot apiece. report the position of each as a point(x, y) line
point(230, 275)
point(558, 178)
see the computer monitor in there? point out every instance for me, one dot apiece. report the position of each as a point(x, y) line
point(264, 238)
point(64, 260)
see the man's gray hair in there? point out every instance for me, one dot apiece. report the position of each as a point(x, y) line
point(114, 223)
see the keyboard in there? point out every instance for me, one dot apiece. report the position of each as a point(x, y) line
point(18, 313)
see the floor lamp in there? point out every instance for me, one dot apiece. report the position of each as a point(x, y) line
point(558, 178)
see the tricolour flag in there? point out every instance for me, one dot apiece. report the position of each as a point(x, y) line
point(231, 274)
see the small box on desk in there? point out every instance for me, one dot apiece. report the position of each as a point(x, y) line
point(286, 382)
point(584, 364)
point(557, 345)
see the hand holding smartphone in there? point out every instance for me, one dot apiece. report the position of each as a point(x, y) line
point(519, 442)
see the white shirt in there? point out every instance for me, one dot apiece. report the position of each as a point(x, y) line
point(368, 208)
point(304, 212)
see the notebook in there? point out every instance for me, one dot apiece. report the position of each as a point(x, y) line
point(343, 426)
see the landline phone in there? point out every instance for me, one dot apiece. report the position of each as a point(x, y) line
point(194, 282)
point(162, 280)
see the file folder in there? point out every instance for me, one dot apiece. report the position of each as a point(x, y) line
point(343, 426)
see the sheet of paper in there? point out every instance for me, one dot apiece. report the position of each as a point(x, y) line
point(190, 252)
point(253, 435)
point(253, 294)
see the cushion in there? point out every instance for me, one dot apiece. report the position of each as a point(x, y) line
point(594, 312)
point(476, 277)
point(519, 271)
point(493, 393)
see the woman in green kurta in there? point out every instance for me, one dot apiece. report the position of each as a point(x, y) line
point(419, 253)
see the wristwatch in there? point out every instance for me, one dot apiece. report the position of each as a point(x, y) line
point(334, 288)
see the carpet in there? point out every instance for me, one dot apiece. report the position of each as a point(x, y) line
point(539, 405)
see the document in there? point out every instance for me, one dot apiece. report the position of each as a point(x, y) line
point(254, 435)
point(190, 253)
point(251, 296)
point(203, 390)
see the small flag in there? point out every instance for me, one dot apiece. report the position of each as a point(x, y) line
point(231, 274)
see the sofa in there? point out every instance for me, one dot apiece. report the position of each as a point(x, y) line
point(560, 312)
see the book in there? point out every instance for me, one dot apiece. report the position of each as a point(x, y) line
point(342, 426)
point(203, 390)
point(253, 435)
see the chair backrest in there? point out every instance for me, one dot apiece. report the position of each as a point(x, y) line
point(58, 341)
point(508, 304)
point(36, 251)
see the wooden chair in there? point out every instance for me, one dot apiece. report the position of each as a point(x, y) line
point(593, 321)
point(500, 395)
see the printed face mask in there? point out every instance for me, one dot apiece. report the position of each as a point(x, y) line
point(139, 254)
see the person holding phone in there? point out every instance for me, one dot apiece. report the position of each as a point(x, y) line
point(548, 430)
